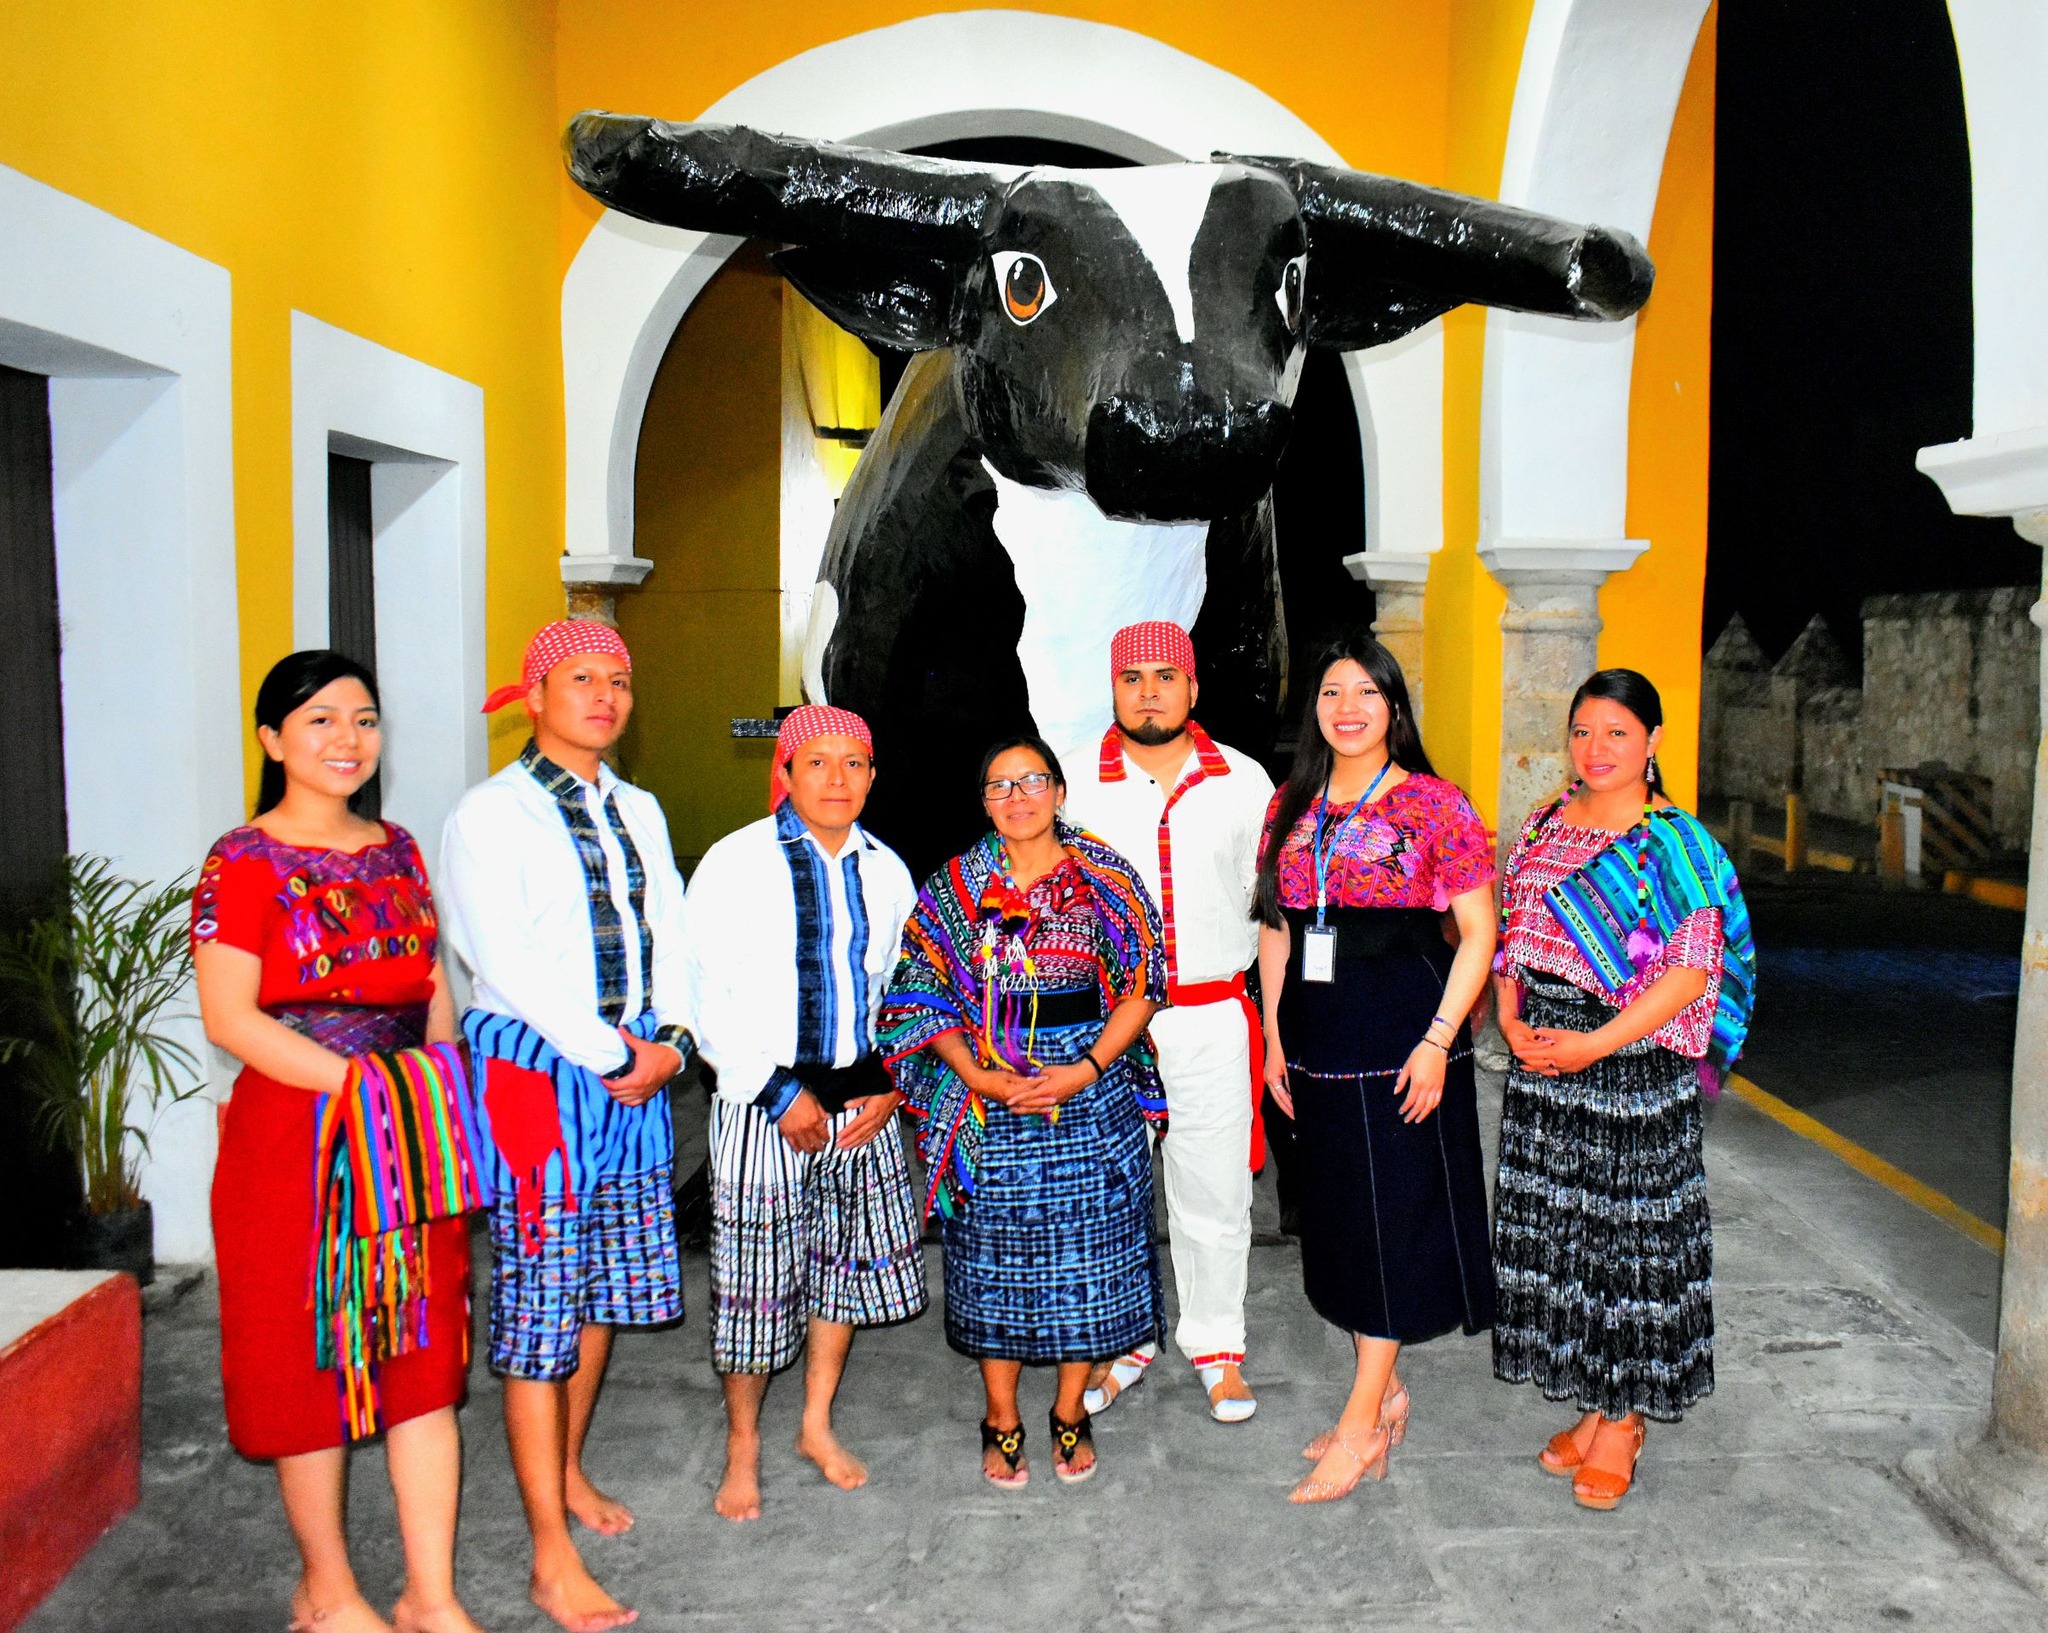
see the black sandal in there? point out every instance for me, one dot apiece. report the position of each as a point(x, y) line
point(1010, 1442)
point(1068, 1438)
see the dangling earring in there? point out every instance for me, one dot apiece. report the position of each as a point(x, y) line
point(1650, 771)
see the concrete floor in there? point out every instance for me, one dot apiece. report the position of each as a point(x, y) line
point(1853, 1328)
point(1889, 1016)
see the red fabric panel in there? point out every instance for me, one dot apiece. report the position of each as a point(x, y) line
point(278, 1402)
point(70, 1439)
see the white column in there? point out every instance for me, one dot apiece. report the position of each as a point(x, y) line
point(1398, 579)
point(1550, 642)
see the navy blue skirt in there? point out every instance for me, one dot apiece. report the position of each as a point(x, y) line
point(1394, 1239)
point(1053, 1259)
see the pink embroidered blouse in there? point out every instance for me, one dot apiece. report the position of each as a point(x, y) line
point(1418, 845)
point(1536, 941)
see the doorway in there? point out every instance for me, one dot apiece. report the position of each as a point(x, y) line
point(352, 586)
point(38, 1187)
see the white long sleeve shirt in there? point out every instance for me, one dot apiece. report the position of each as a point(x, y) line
point(789, 950)
point(1209, 837)
point(575, 937)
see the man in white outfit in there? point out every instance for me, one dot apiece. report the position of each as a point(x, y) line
point(1187, 813)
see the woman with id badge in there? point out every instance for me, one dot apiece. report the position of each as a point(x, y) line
point(1366, 853)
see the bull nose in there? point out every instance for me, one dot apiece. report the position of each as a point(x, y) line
point(1187, 460)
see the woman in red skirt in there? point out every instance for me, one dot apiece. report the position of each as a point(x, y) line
point(314, 937)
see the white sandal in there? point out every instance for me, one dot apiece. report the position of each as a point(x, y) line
point(1125, 1372)
point(1227, 1408)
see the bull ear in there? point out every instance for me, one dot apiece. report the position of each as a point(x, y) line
point(1386, 256)
point(905, 301)
point(728, 179)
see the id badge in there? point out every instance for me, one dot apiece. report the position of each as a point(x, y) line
point(1318, 953)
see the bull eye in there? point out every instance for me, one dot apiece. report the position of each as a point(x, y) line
point(1025, 284)
point(1293, 280)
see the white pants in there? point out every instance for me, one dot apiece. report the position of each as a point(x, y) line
point(1205, 1062)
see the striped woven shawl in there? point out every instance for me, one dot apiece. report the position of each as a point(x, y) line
point(940, 986)
point(393, 1151)
point(1688, 870)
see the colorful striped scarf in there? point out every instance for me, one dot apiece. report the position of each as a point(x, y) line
point(1601, 907)
point(594, 1136)
point(393, 1151)
point(943, 983)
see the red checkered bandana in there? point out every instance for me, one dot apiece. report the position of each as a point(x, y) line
point(1155, 642)
point(801, 726)
point(563, 639)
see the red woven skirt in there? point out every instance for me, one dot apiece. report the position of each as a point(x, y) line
point(279, 1403)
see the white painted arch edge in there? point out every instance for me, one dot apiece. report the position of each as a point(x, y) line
point(1007, 73)
point(136, 336)
point(1594, 101)
point(423, 429)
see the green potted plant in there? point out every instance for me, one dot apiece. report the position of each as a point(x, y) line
point(87, 993)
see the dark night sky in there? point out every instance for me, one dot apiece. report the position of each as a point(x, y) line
point(1842, 338)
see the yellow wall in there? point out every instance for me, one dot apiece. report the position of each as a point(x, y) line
point(387, 166)
point(392, 169)
point(1652, 611)
point(1462, 605)
point(704, 626)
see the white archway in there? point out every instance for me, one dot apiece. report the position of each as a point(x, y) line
point(1007, 73)
point(1598, 89)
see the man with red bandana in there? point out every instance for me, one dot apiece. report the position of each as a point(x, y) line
point(793, 924)
point(1186, 811)
point(560, 893)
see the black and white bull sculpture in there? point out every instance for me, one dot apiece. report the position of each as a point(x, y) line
point(1089, 437)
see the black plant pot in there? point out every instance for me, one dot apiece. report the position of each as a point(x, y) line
point(119, 1241)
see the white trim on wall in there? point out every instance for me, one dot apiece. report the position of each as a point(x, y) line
point(423, 429)
point(2001, 469)
point(1009, 73)
point(135, 334)
point(1598, 89)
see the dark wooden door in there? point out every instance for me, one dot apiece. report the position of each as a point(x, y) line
point(39, 1189)
point(352, 582)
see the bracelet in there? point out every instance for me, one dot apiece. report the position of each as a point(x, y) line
point(1444, 1021)
point(1089, 1056)
point(1445, 1047)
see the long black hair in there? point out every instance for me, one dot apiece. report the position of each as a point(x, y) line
point(1314, 758)
point(292, 681)
point(1634, 693)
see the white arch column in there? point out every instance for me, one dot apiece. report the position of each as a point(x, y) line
point(1599, 85)
point(1009, 73)
point(1997, 1486)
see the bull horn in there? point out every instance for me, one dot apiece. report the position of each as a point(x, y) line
point(729, 179)
point(1386, 256)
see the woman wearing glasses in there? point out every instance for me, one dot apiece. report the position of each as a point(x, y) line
point(1015, 1027)
point(1366, 852)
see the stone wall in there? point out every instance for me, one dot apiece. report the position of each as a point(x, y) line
point(1949, 676)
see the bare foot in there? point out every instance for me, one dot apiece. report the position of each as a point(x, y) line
point(739, 1493)
point(351, 1614)
point(575, 1602)
point(411, 1615)
point(837, 1464)
point(607, 1516)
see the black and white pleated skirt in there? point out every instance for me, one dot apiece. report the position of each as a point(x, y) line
point(1602, 1246)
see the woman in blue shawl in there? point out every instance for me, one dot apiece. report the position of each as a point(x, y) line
point(1624, 977)
point(1015, 1027)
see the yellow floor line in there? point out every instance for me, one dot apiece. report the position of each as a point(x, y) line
point(1869, 1164)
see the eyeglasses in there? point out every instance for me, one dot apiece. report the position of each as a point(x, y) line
point(1032, 782)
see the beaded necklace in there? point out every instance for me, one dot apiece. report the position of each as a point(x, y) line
point(1643, 941)
point(1007, 919)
